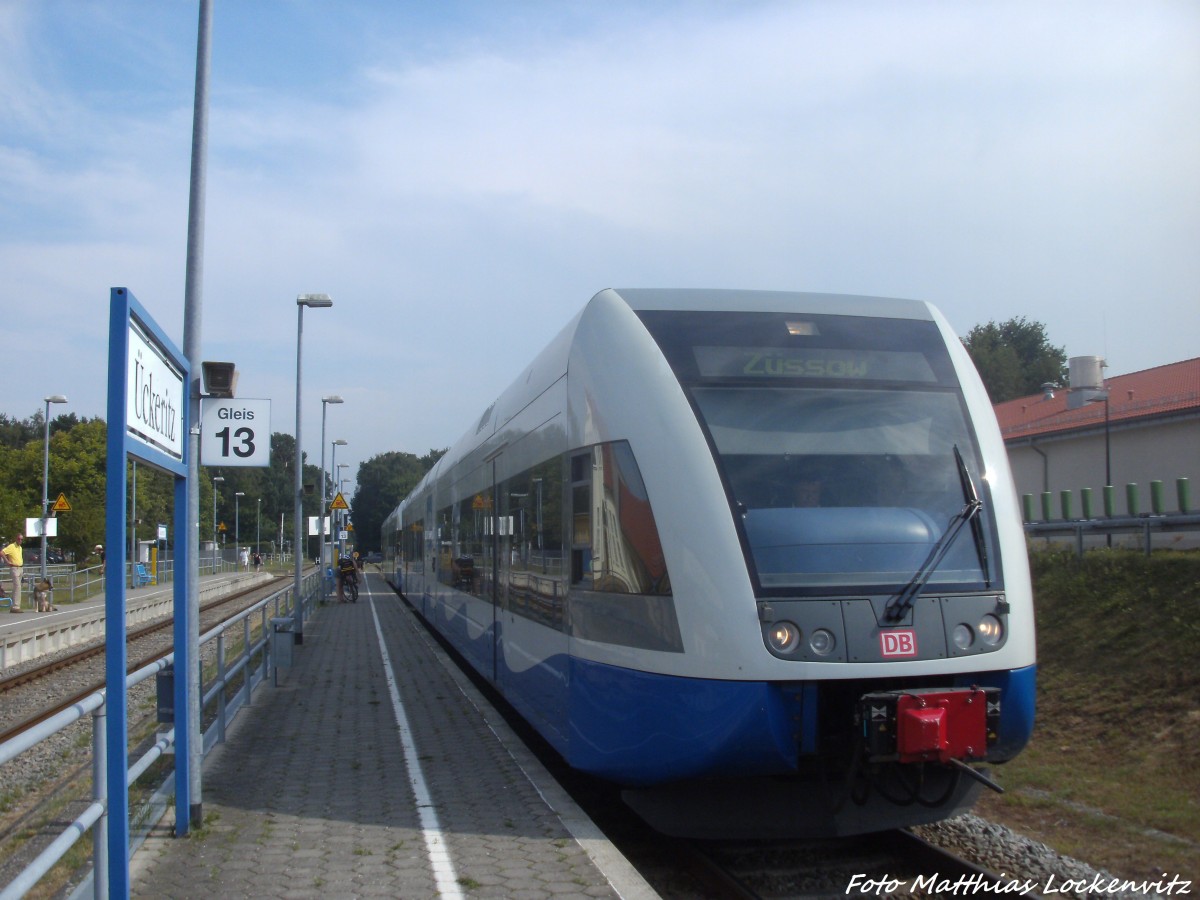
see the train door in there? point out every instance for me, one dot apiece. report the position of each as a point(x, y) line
point(491, 565)
point(429, 567)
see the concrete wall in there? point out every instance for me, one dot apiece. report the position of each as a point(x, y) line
point(1140, 454)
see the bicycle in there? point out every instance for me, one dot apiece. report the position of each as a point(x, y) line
point(347, 587)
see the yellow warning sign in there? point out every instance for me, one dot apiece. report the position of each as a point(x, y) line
point(339, 502)
point(61, 504)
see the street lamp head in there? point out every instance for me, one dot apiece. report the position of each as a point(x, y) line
point(56, 398)
point(314, 300)
point(332, 398)
point(240, 494)
point(217, 478)
point(341, 443)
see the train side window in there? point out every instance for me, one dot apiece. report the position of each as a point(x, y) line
point(581, 519)
point(621, 589)
point(446, 544)
point(469, 565)
point(628, 557)
point(531, 558)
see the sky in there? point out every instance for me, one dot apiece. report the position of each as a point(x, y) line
point(461, 177)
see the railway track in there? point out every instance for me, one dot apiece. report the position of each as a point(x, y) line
point(25, 700)
point(890, 864)
point(45, 783)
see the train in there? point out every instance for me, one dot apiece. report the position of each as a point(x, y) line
point(754, 557)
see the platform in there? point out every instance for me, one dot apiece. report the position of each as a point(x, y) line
point(375, 769)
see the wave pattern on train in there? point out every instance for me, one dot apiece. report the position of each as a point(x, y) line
point(755, 556)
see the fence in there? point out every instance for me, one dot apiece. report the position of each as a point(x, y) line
point(218, 703)
point(1133, 520)
point(79, 584)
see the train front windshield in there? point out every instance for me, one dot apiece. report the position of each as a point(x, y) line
point(845, 447)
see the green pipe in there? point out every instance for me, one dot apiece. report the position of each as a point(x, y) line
point(1156, 497)
point(1085, 501)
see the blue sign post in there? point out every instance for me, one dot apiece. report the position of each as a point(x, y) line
point(148, 380)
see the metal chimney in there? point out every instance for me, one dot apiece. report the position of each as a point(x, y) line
point(1086, 380)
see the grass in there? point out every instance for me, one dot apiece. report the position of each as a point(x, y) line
point(1112, 774)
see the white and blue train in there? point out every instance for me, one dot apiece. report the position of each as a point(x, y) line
point(755, 556)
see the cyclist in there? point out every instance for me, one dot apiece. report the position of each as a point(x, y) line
point(347, 578)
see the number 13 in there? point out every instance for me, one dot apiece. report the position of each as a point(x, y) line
point(245, 441)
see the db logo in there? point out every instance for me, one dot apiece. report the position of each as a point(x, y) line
point(898, 643)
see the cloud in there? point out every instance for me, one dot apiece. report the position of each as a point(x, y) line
point(461, 181)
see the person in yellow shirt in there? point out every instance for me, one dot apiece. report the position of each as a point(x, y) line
point(16, 560)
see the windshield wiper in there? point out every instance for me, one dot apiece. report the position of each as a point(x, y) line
point(972, 497)
point(897, 608)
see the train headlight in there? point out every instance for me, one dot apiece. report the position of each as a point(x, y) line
point(991, 630)
point(822, 642)
point(783, 637)
point(964, 637)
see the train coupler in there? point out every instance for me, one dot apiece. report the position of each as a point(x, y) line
point(948, 726)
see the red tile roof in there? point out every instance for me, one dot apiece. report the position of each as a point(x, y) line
point(1150, 394)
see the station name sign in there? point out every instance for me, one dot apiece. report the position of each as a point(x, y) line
point(154, 395)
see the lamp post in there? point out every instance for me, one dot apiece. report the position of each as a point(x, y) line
point(343, 515)
point(53, 398)
point(325, 401)
point(216, 478)
point(316, 301)
point(333, 468)
point(258, 529)
point(237, 526)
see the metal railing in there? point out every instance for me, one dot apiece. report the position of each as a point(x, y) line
point(1145, 526)
point(80, 584)
point(218, 703)
point(1107, 521)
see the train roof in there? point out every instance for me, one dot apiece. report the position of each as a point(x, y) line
point(551, 363)
point(724, 300)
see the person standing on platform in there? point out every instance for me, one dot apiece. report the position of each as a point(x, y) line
point(245, 556)
point(100, 553)
point(16, 561)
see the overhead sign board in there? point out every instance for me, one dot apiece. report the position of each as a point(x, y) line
point(154, 394)
point(33, 527)
point(235, 432)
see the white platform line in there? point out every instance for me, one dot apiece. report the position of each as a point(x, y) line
point(435, 843)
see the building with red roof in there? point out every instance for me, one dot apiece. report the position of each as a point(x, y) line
point(1134, 428)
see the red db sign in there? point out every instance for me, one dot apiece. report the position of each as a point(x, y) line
point(898, 643)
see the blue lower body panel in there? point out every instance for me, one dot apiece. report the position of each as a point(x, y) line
point(637, 728)
point(1018, 696)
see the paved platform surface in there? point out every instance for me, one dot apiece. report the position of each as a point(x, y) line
point(375, 769)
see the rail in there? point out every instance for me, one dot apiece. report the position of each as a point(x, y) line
point(217, 692)
point(81, 584)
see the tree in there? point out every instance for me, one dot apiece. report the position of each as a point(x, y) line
point(383, 481)
point(1015, 358)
